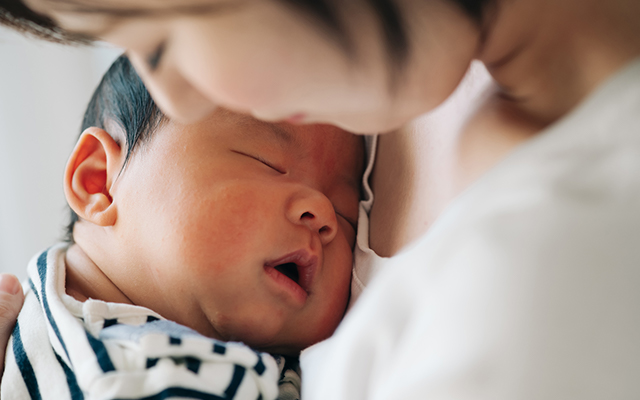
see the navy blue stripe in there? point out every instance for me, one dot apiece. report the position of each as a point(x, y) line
point(259, 367)
point(151, 362)
point(42, 271)
point(33, 289)
point(238, 374)
point(151, 318)
point(174, 341)
point(109, 322)
point(181, 392)
point(219, 349)
point(101, 353)
point(193, 364)
point(24, 365)
point(74, 389)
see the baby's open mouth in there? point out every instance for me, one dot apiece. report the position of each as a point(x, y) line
point(290, 270)
point(298, 267)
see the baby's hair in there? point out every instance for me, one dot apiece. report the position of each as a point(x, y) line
point(121, 100)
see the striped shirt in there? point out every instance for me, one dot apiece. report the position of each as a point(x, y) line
point(65, 349)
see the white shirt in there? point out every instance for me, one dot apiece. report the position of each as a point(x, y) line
point(527, 287)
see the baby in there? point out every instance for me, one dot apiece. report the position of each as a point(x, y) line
point(185, 240)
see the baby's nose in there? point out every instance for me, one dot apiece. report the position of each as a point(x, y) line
point(314, 210)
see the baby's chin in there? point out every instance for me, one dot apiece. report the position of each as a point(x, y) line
point(287, 336)
point(291, 346)
point(256, 338)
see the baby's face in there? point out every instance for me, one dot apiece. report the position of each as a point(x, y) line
point(240, 229)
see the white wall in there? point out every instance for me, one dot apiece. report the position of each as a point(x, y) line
point(44, 89)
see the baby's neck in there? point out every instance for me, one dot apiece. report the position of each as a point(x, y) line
point(85, 280)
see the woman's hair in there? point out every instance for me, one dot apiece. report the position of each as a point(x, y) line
point(15, 14)
point(121, 99)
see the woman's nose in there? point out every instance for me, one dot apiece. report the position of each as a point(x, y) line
point(314, 210)
point(173, 93)
point(181, 101)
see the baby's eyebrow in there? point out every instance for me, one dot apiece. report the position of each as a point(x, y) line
point(280, 133)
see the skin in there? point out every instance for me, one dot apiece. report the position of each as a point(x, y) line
point(534, 80)
point(544, 57)
point(277, 67)
point(225, 197)
point(11, 298)
point(258, 57)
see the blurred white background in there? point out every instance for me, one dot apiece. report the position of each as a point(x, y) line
point(44, 89)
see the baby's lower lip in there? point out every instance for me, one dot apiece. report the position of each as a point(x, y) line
point(298, 294)
point(306, 266)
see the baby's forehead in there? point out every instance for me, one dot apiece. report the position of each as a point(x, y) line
point(312, 134)
point(315, 143)
point(251, 127)
point(325, 148)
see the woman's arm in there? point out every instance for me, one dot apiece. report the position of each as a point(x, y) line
point(11, 298)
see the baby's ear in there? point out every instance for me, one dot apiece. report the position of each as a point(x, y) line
point(91, 171)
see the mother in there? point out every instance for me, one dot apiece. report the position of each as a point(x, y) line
point(526, 286)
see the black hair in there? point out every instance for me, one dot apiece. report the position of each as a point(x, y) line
point(15, 14)
point(392, 24)
point(121, 99)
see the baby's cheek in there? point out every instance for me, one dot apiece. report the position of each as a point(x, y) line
point(335, 294)
point(227, 227)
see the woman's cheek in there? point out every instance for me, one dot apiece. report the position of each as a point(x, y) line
point(241, 79)
point(245, 89)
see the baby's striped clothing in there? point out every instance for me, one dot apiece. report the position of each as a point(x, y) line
point(65, 349)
